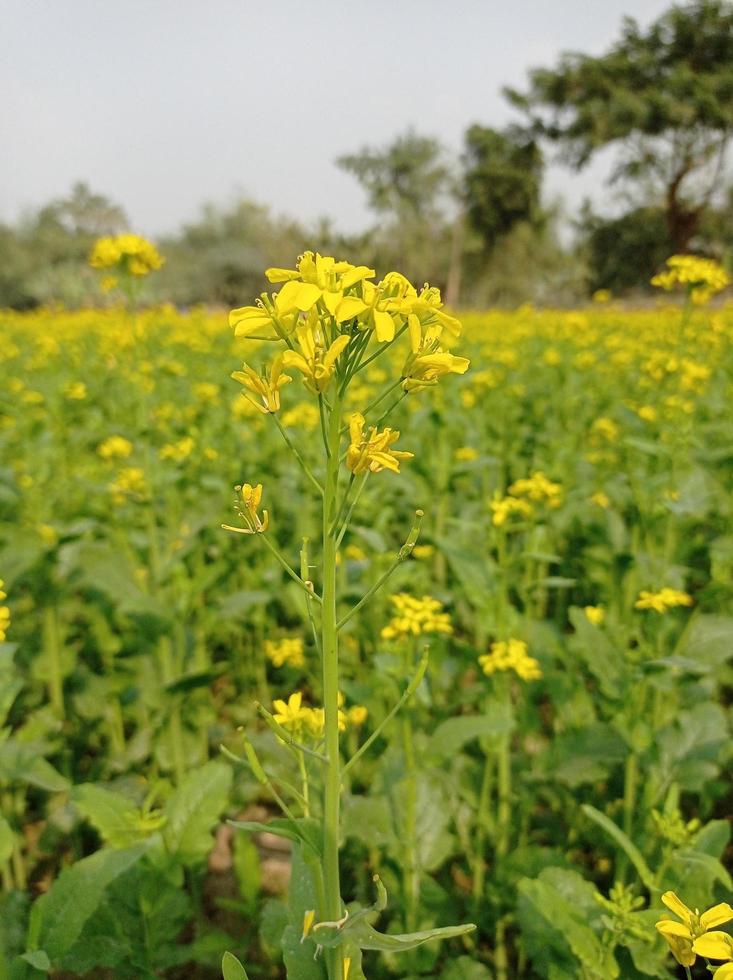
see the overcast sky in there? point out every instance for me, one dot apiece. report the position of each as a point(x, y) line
point(165, 104)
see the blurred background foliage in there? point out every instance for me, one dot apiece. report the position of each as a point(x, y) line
point(476, 223)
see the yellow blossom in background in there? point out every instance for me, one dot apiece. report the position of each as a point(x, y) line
point(128, 253)
point(465, 454)
point(206, 391)
point(647, 413)
point(129, 482)
point(115, 447)
point(692, 925)
point(372, 452)
point(355, 553)
point(266, 385)
point(507, 655)
point(357, 715)
point(251, 497)
point(538, 488)
point(423, 551)
point(178, 451)
point(605, 428)
point(504, 508)
point(75, 391)
point(601, 499)
point(663, 600)
point(594, 614)
point(413, 617)
point(601, 296)
point(701, 278)
point(304, 415)
point(288, 651)
point(4, 614)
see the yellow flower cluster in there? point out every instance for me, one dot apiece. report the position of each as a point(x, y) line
point(247, 510)
point(663, 600)
point(288, 651)
point(372, 452)
point(4, 614)
point(510, 655)
point(178, 451)
point(129, 482)
point(326, 307)
point(692, 935)
point(702, 278)
point(504, 508)
point(605, 429)
point(538, 488)
point(114, 447)
point(129, 254)
point(301, 720)
point(595, 614)
point(415, 617)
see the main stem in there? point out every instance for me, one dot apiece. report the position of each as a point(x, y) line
point(330, 659)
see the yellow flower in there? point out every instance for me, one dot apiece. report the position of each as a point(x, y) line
point(716, 945)
point(605, 428)
point(429, 363)
point(503, 508)
point(594, 614)
point(372, 452)
point(681, 935)
point(4, 614)
point(114, 447)
point(178, 451)
point(267, 385)
point(75, 391)
point(315, 361)
point(415, 617)
point(357, 715)
point(128, 253)
point(601, 296)
point(304, 415)
point(701, 278)
point(510, 655)
point(423, 551)
point(288, 651)
point(465, 454)
point(600, 499)
point(538, 488)
point(309, 918)
point(663, 600)
point(290, 713)
point(647, 413)
point(251, 497)
point(129, 482)
point(320, 278)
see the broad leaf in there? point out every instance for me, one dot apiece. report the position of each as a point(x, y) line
point(194, 809)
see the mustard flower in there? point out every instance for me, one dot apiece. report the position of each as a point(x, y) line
point(114, 447)
point(538, 488)
point(316, 361)
point(266, 385)
point(128, 253)
point(663, 600)
point(247, 510)
point(4, 614)
point(290, 713)
point(288, 651)
point(416, 616)
point(594, 614)
point(702, 278)
point(683, 934)
point(504, 508)
point(372, 452)
point(507, 655)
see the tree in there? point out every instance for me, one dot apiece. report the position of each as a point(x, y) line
point(410, 186)
point(502, 179)
point(664, 95)
point(625, 252)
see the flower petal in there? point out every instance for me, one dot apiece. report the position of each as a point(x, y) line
point(714, 946)
point(677, 906)
point(716, 916)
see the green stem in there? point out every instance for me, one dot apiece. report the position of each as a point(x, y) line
point(482, 819)
point(332, 910)
point(293, 575)
point(304, 466)
point(404, 553)
point(347, 520)
point(52, 644)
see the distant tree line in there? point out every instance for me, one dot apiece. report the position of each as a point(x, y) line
point(476, 225)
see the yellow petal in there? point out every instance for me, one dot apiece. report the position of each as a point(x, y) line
point(335, 351)
point(677, 906)
point(332, 301)
point(297, 296)
point(716, 916)
point(349, 307)
point(714, 946)
point(383, 326)
point(281, 275)
point(291, 358)
point(248, 320)
point(413, 326)
point(724, 972)
point(668, 927)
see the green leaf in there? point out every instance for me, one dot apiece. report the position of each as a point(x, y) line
point(304, 830)
point(111, 814)
point(626, 845)
point(450, 736)
point(22, 764)
point(38, 959)
point(231, 968)
point(298, 955)
point(194, 809)
point(58, 917)
point(366, 937)
point(465, 968)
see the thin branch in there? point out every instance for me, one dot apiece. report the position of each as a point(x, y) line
point(305, 467)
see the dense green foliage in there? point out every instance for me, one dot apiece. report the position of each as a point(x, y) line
point(552, 811)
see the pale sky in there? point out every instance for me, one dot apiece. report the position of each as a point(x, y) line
point(165, 104)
